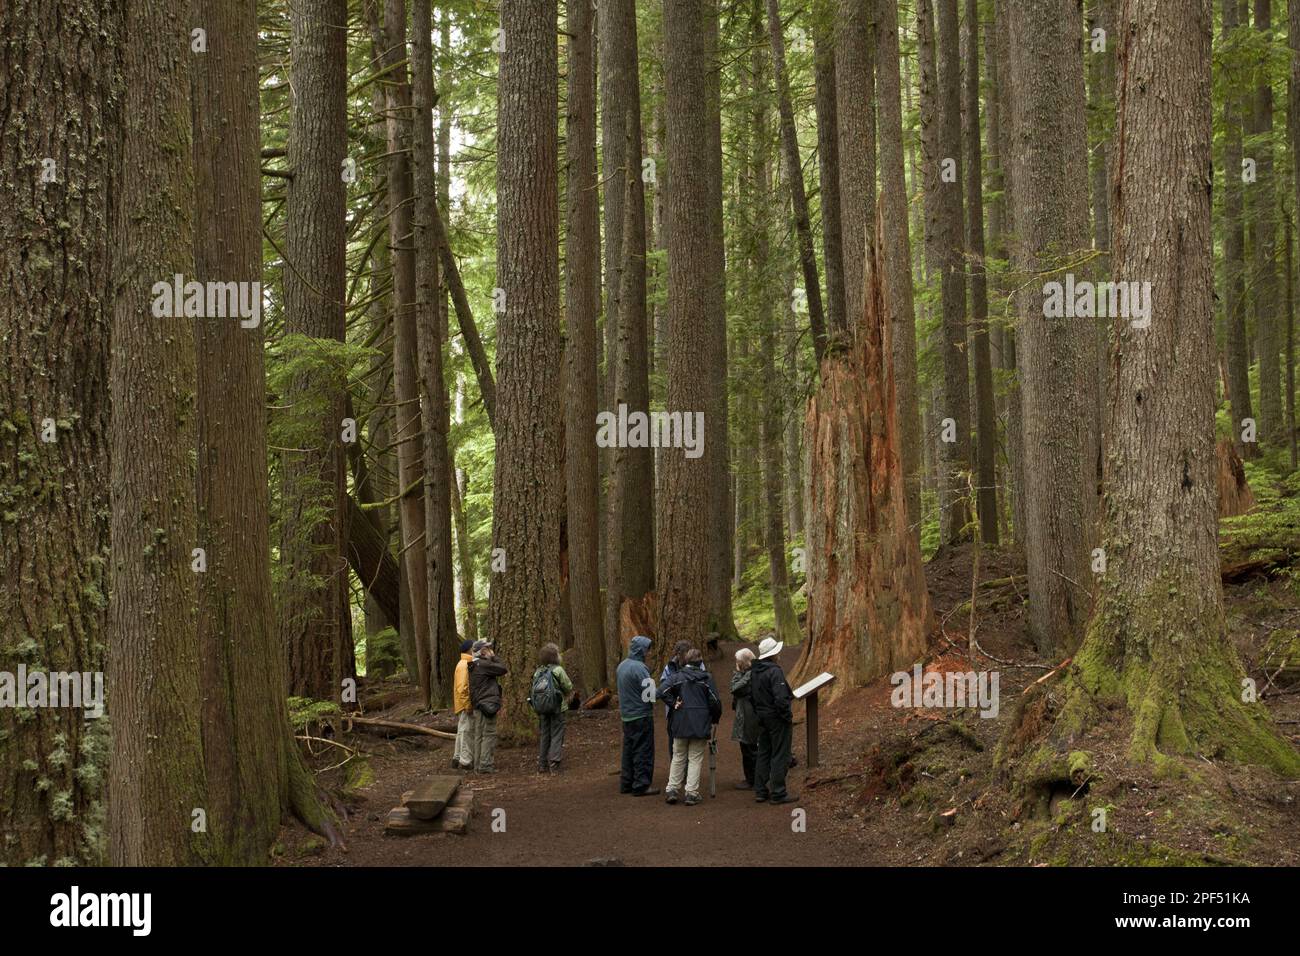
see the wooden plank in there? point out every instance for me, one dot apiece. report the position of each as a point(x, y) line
point(451, 820)
point(428, 799)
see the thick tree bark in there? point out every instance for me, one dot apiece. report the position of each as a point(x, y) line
point(625, 294)
point(941, 146)
point(582, 306)
point(1157, 646)
point(694, 293)
point(247, 743)
point(1236, 344)
point(855, 95)
point(156, 773)
point(527, 493)
point(443, 640)
point(58, 80)
point(315, 619)
point(828, 162)
point(794, 178)
point(868, 607)
point(986, 428)
point(897, 256)
point(1054, 356)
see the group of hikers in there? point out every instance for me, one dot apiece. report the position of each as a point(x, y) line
point(760, 697)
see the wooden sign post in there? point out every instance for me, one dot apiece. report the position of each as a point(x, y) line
point(809, 691)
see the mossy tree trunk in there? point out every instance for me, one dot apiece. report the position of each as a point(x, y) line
point(156, 772)
point(527, 496)
point(58, 61)
point(1157, 645)
point(682, 534)
point(315, 619)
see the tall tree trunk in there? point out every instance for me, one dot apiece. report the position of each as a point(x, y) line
point(1236, 344)
point(794, 178)
point(246, 739)
point(986, 427)
point(771, 412)
point(315, 617)
point(693, 294)
point(630, 530)
point(716, 446)
point(59, 60)
point(1054, 356)
point(1158, 646)
point(406, 379)
point(828, 160)
point(1262, 203)
point(527, 494)
point(156, 774)
point(443, 640)
point(582, 305)
point(855, 96)
point(1293, 130)
point(897, 256)
point(868, 607)
point(941, 144)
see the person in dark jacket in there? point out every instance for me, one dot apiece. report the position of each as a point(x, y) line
point(485, 672)
point(693, 708)
point(772, 701)
point(675, 663)
point(636, 696)
point(744, 730)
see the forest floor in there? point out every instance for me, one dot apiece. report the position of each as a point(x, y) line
point(896, 786)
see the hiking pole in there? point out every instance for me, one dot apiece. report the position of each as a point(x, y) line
point(713, 762)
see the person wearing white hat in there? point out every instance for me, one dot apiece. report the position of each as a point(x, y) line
point(773, 710)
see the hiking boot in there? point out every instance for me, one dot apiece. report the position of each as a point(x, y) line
point(543, 770)
point(670, 796)
point(692, 799)
point(760, 798)
point(647, 792)
point(784, 798)
point(486, 770)
point(745, 786)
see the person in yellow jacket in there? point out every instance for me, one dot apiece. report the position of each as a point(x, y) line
point(462, 757)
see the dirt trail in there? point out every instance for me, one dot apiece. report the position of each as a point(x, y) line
point(578, 817)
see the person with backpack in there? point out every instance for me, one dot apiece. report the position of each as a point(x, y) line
point(693, 708)
point(675, 663)
point(549, 698)
point(773, 709)
point(462, 757)
point(744, 730)
point(485, 672)
point(636, 695)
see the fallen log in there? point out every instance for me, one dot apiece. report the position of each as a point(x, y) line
point(349, 719)
point(597, 700)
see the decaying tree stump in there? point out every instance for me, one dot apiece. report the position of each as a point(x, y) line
point(868, 608)
point(1235, 496)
